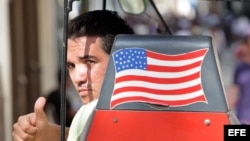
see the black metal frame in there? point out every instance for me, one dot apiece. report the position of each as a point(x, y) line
point(67, 9)
point(161, 18)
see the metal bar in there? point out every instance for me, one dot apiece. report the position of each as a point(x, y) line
point(158, 13)
point(63, 73)
point(67, 9)
point(104, 4)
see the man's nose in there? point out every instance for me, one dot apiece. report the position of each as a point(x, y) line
point(81, 74)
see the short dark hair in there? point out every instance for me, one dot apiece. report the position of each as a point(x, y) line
point(102, 23)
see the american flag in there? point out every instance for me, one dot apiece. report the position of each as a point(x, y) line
point(150, 77)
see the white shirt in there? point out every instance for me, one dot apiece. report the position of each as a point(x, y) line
point(80, 122)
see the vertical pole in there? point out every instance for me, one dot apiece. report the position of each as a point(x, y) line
point(104, 5)
point(67, 9)
point(63, 74)
point(161, 18)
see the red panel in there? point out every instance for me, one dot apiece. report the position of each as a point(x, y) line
point(156, 126)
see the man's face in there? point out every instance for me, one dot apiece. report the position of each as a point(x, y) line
point(87, 64)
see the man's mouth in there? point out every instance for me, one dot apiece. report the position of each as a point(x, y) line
point(84, 91)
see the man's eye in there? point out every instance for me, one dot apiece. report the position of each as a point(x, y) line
point(89, 62)
point(70, 66)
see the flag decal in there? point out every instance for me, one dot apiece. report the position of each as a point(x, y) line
point(150, 77)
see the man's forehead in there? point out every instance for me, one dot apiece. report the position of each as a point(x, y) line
point(83, 40)
point(85, 47)
point(86, 42)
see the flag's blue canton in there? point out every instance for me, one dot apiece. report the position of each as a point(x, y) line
point(130, 59)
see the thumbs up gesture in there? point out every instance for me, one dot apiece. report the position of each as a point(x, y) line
point(38, 118)
point(33, 126)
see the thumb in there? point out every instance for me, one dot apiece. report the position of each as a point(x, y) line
point(39, 113)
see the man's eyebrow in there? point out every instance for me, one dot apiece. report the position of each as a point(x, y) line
point(87, 57)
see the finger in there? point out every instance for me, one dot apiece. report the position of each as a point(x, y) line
point(39, 113)
point(14, 134)
point(19, 134)
point(15, 137)
point(25, 125)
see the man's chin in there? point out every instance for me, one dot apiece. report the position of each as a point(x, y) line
point(86, 100)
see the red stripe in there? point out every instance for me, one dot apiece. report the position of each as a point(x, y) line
point(173, 69)
point(158, 80)
point(185, 56)
point(158, 102)
point(157, 91)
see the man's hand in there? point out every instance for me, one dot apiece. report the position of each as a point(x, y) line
point(33, 126)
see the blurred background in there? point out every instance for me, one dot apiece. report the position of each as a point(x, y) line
point(31, 41)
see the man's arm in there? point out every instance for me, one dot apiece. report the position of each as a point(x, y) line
point(55, 132)
point(35, 126)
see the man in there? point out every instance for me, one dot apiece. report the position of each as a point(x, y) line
point(90, 40)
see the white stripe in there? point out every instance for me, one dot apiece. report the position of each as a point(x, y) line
point(153, 61)
point(158, 86)
point(158, 97)
point(138, 72)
